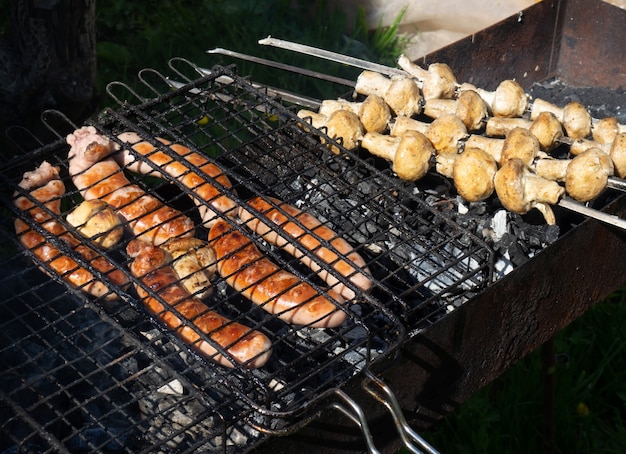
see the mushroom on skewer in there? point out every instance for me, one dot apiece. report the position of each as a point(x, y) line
point(520, 190)
point(574, 116)
point(438, 81)
point(343, 125)
point(401, 93)
point(409, 154)
point(373, 112)
point(508, 100)
point(445, 132)
point(468, 106)
point(546, 127)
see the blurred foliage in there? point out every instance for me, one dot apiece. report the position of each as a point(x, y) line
point(136, 35)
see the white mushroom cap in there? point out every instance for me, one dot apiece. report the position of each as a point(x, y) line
point(587, 174)
point(473, 174)
point(576, 120)
point(520, 143)
point(439, 82)
point(520, 190)
point(618, 154)
point(374, 114)
point(605, 130)
point(547, 128)
point(409, 154)
point(508, 100)
point(404, 97)
point(446, 133)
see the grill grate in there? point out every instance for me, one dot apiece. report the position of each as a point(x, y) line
point(90, 374)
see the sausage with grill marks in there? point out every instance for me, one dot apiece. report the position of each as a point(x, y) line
point(247, 270)
point(293, 222)
point(45, 186)
point(209, 199)
point(98, 176)
point(151, 265)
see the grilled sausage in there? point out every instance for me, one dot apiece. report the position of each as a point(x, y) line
point(293, 222)
point(151, 265)
point(98, 176)
point(207, 197)
point(45, 186)
point(247, 270)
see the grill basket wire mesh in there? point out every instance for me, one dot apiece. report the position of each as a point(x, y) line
point(83, 372)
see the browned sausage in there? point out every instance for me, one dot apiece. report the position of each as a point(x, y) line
point(45, 186)
point(207, 197)
point(98, 176)
point(247, 270)
point(150, 264)
point(354, 269)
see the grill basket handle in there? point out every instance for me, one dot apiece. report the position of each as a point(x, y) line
point(381, 392)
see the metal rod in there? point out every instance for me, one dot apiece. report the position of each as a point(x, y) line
point(332, 56)
point(357, 415)
point(592, 213)
point(283, 66)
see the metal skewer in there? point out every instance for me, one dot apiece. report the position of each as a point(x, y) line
point(568, 204)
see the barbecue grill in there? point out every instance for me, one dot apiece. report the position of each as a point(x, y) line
point(446, 314)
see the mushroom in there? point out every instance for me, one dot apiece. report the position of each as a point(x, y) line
point(585, 176)
point(401, 93)
point(473, 173)
point(445, 133)
point(96, 221)
point(574, 117)
point(438, 81)
point(373, 111)
point(409, 154)
point(546, 127)
point(605, 130)
point(195, 264)
point(588, 174)
point(618, 154)
point(508, 100)
point(520, 190)
point(342, 125)
point(519, 143)
point(468, 106)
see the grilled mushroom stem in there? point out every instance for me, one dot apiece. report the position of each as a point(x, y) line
point(401, 93)
point(468, 106)
point(520, 190)
point(96, 221)
point(409, 154)
point(546, 127)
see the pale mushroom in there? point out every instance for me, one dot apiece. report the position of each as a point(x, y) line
point(519, 143)
point(96, 221)
point(618, 154)
point(409, 154)
point(473, 173)
point(508, 100)
point(520, 190)
point(574, 117)
point(546, 127)
point(343, 125)
point(401, 93)
point(468, 106)
point(438, 81)
point(445, 133)
point(373, 111)
point(588, 174)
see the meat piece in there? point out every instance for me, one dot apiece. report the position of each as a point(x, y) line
point(45, 186)
point(247, 270)
point(98, 176)
point(207, 197)
point(97, 222)
point(189, 315)
point(295, 224)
